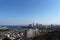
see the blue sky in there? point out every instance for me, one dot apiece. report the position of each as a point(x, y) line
point(17, 12)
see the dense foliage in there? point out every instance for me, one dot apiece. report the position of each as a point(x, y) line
point(49, 36)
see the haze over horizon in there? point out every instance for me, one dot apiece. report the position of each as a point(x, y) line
point(16, 12)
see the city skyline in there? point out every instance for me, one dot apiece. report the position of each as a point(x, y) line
point(16, 12)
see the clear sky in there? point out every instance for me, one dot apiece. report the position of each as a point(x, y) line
point(16, 12)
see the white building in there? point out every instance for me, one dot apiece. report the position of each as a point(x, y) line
point(30, 33)
point(33, 32)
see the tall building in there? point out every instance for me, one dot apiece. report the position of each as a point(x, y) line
point(33, 24)
point(40, 25)
point(37, 25)
point(30, 25)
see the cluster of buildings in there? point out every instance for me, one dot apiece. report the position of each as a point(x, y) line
point(13, 34)
point(30, 31)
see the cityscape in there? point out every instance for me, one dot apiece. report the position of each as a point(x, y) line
point(30, 32)
point(29, 19)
